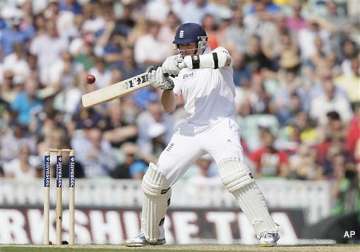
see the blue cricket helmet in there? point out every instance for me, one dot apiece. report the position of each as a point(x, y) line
point(191, 33)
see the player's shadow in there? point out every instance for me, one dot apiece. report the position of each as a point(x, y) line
point(217, 107)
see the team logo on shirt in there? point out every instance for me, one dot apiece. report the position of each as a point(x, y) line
point(189, 75)
point(170, 146)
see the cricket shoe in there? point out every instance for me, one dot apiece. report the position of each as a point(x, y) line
point(268, 239)
point(140, 241)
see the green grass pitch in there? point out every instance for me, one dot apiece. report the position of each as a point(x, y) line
point(179, 248)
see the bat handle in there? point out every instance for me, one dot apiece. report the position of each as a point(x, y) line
point(166, 75)
point(154, 67)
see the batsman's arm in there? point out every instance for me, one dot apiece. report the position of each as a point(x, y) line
point(160, 79)
point(168, 101)
point(218, 58)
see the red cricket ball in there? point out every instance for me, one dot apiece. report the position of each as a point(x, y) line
point(90, 79)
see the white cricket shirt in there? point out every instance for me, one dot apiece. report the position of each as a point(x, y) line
point(208, 95)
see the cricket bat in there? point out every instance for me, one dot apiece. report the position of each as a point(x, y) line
point(115, 90)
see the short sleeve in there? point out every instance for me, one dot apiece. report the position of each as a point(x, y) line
point(226, 52)
point(177, 88)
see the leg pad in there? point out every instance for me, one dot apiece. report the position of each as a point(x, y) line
point(238, 180)
point(157, 193)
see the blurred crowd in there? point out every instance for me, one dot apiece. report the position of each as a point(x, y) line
point(296, 70)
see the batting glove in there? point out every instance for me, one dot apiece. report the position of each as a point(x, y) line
point(187, 62)
point(157, 79)
point(171, 65)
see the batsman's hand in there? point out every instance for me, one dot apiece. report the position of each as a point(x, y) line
point(159, 79)
point(171, 65)
point(186, 62)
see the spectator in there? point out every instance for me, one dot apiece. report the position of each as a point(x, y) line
point(255, 57)
point(102, 74)
point(23, 167)
point(53, 136)
point(48, 47)
point(8, 91)
point(70, 5)
point(66, 20)
point(334, 16)
point(353, 136)
point(98, 158)
point(268, 160)
point(128, 65)
point(133, 165)
point(236, 36)
point(286, 101)
point(330, 100)
point(126, 23)
point(334, 135)
point(117, 130)
point(242, 73)
point(296, 21)
point(318, 57)
point(168, 29)
point(157, 10)
point(122, 171)
point(307, 36)
point(94, 21)
point(12, 139)
point(203, 173)
point(347, 191)
point(63, 71)
point(348, 51)
point(259, 97)
point(18, 31)
point(193, 11)
point(302, 165)
point(4, 112)
point(16, 62)
point(289, 58)
point(149, 49)
point(350, 81)
point(150, 122)
point(307, 130)
point(78, 168)
point(66, 86)
point(26, 102)
point(286, 114)
point(210, 26)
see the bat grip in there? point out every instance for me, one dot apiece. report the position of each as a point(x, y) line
point(154, 67)
point(166, 75)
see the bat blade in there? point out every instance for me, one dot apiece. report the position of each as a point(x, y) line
point(115, 90)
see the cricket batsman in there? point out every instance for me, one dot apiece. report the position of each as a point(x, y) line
point(205, 81)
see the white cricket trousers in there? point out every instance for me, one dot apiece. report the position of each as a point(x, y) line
point(221, 142)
